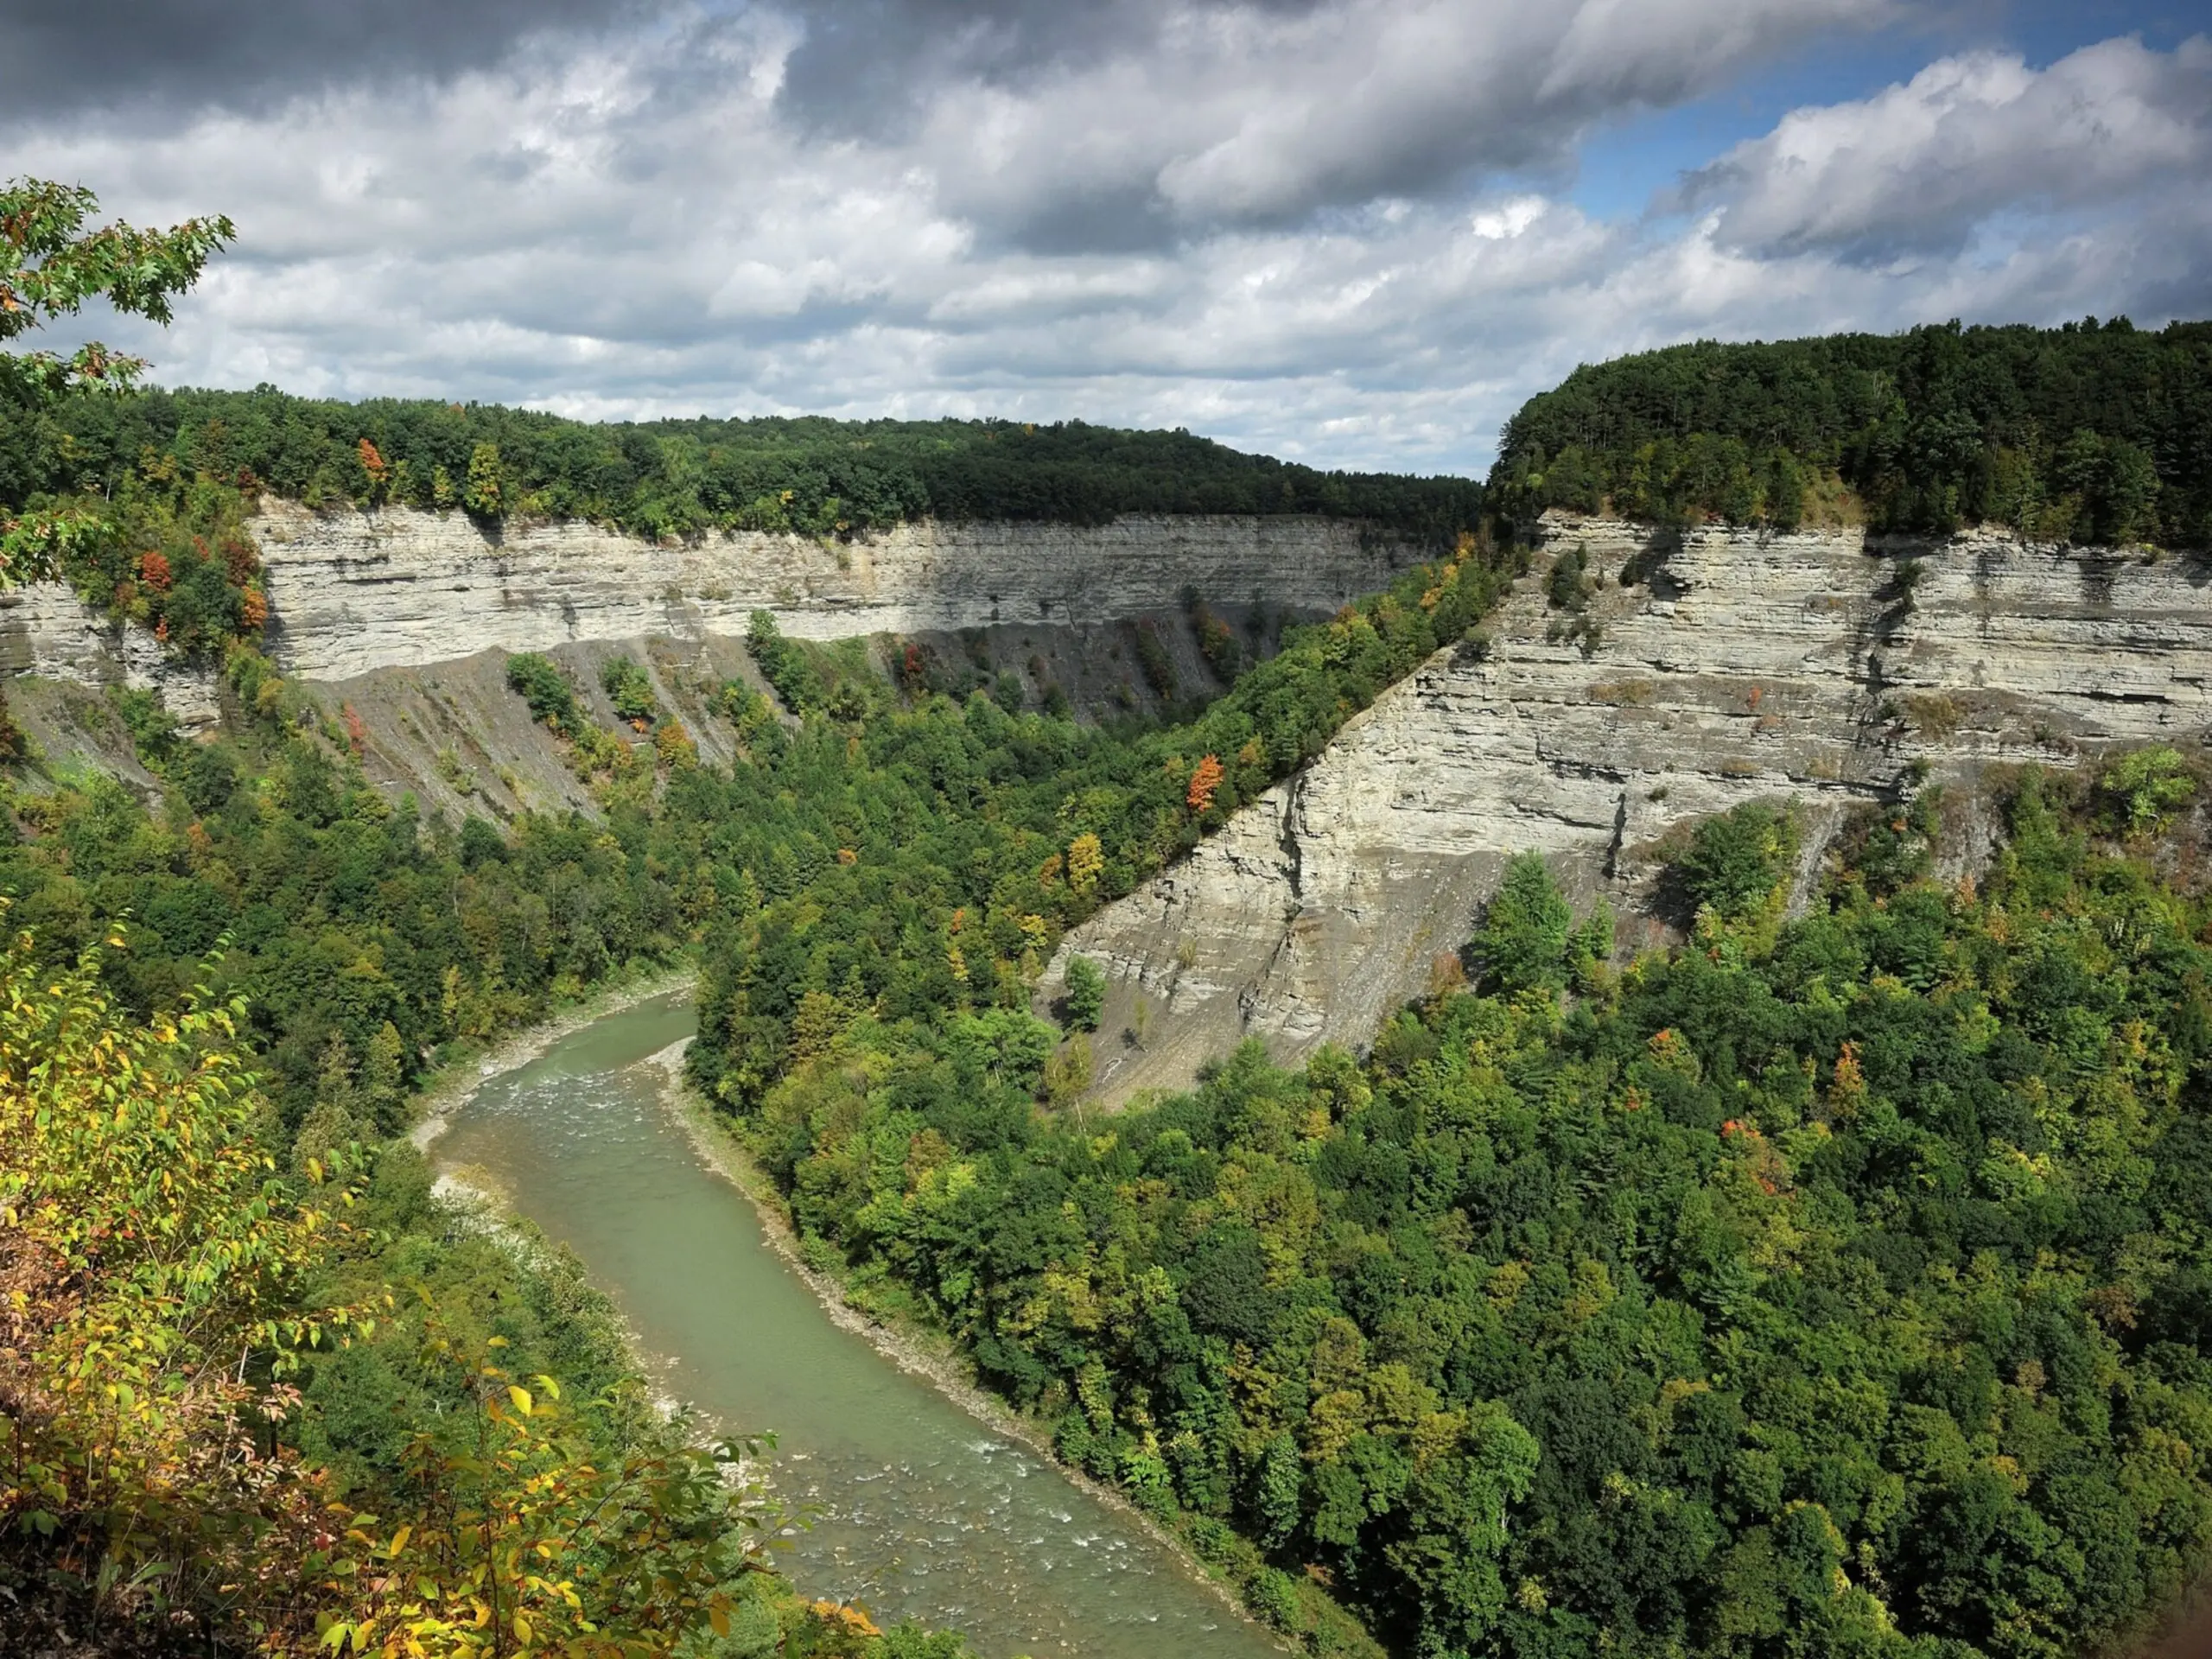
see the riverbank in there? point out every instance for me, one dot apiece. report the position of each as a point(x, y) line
point(932, 1357)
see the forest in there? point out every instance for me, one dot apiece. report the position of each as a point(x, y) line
point(274, 918)
point(808, 475)
point(2093, 433)
point(1829, 1284)
point(1835, 1282)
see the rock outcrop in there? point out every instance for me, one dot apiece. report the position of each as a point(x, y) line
point(351, 592)
point(404, 616)
point(1700, 670)
point(48, 633)
point(1704, 670)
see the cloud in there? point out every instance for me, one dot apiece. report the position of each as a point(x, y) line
point(142, 59)
point(1918, 169)
point(1278, 226)
point(1197, 117)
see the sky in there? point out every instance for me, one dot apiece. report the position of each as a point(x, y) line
point(1352, 232)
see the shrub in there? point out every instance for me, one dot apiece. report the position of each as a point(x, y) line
point(1565, 589)
point(783, 665)
point(2142, 788)
point(1152, 656)
point(1086, 992)
point(541, 684)
point(631, 690)
point(1735, 861)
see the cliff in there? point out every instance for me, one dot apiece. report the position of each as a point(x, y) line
point(1700, 670)
point(406, 616)
point(1731, 665)
point(351, 592)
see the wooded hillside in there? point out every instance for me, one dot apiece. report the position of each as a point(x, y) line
point(2094, 433)
point(672, 478)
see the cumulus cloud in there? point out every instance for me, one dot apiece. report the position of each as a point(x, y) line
point(1316, 228)
point(1196, 116)
point(1920, 167)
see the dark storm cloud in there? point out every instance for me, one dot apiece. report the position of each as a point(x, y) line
point(158, 57)
point(867, 66)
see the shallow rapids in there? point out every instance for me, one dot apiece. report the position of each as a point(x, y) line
point(920, 1511)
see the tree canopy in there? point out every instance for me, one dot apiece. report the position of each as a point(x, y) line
point(2092, 433)
point(808, 475)
point(1824, 1285)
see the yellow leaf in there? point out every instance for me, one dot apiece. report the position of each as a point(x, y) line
point(521, 1397)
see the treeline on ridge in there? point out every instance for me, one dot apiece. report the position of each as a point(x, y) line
point(811, 475)
point(2089, 433)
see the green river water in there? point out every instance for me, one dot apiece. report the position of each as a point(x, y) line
point(920, 1510)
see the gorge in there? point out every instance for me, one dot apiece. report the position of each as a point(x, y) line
point(1645, 1080)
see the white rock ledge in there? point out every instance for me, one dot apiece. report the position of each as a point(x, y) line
point(350, 592)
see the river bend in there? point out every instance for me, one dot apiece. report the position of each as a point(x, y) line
point(921, 1512)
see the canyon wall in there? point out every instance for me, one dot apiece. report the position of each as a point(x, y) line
point(1703, 669)
point(350, 592)
point(1708, 669)
point(405, 617)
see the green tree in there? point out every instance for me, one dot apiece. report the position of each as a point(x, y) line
point(2143, 787)
point(1735, 861)
point(1523, 943)
point(50, 264)
point(485, 494)
point(1592, 947)
point(1455, 1534)
point(1086, 992)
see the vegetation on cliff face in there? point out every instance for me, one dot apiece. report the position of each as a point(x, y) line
point(153, 541)
point(256, 1390)
point(360, 942)
point(2095, 434)
point(1836, 1285)
point(919, 865)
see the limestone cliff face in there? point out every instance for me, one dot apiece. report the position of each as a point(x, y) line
point(404, 616)
point(1733, 665)
point(47, 632)
point(351, 592)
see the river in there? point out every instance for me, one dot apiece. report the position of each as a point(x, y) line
point(920, 1510)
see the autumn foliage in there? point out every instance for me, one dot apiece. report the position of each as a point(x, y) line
point(162, 1290)
point(153, 1266)
point(1204, 780)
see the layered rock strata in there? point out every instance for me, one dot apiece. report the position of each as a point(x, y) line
point(351, 592)
point(47, 632)
point(405, 617)
point(1705, 670)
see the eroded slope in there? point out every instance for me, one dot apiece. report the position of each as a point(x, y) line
point(1732, 665)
